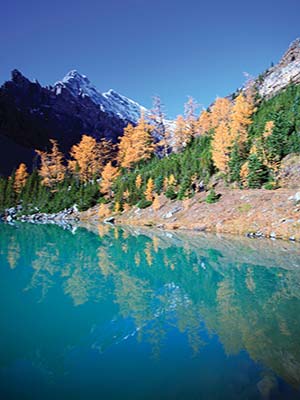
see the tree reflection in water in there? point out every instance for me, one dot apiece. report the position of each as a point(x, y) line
point(247, 292)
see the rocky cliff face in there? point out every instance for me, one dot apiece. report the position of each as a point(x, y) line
point(285, 72)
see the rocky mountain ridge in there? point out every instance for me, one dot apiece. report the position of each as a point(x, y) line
point(279, 76)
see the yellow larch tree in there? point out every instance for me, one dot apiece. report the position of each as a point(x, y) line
point(126, 146)
point(109, 175)
point(204, 122)
point(244, 174)
point(85, 162)
point(138, 181)
point(242, 111)
point(221, 144)
point(21, 176)
point(52, 169)
point(222, 139)
point(117, 207)
point(136, 144)
point(169, 181)
point(149, 190)
point(220, 112)
point(144, 141)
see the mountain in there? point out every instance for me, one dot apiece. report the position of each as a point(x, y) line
point(282, 74)
point(31, 114)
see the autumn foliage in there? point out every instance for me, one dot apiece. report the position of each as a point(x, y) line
point(52, 169)
point(109, 174)
point(149, 190)
point(21, 176)
point(230, 122)
point(136, 144)
point(86, 160)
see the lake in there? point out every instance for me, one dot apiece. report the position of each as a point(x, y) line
point(112, 313)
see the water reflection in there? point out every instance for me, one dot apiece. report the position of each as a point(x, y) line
point(61, 290)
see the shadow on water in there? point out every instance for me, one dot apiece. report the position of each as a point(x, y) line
point(139, 313)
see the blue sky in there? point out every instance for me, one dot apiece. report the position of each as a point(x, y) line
point(143, 48)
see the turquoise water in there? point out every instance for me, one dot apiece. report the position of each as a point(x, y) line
point(140, 314)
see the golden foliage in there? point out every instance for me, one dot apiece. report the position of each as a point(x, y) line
point(172, 180)
point(169, 181)
point(204, 122)
point(242, 111)
point(230, 124)
point(52, 169)
point(149, 190)
point(244, 173)
point(117, 207)
point(138, 182)
point(220, 112)
point(86, 161)
point(136, 144)
point(126, 194)
point(109, 174)
point(20, 177)
point(222, 139)
point(221, 143)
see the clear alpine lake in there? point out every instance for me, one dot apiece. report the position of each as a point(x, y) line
point(124, 313)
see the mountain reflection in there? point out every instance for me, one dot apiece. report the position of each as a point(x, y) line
point(113, 283)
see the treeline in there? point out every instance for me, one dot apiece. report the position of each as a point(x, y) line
point(243, 140)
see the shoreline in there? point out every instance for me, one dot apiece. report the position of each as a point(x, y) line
point(255, 213)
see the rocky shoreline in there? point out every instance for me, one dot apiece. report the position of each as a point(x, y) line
point(65, 216)
point(255, 213)
point(273, 214)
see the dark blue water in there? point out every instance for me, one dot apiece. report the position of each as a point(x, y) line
point(118, 314)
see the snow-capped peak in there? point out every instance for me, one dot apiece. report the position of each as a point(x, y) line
point(79, 85)
point(111, 101)
point(74, 74)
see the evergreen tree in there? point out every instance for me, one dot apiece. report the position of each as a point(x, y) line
point(235, 163)
point(257, 172)
point(10, 194)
